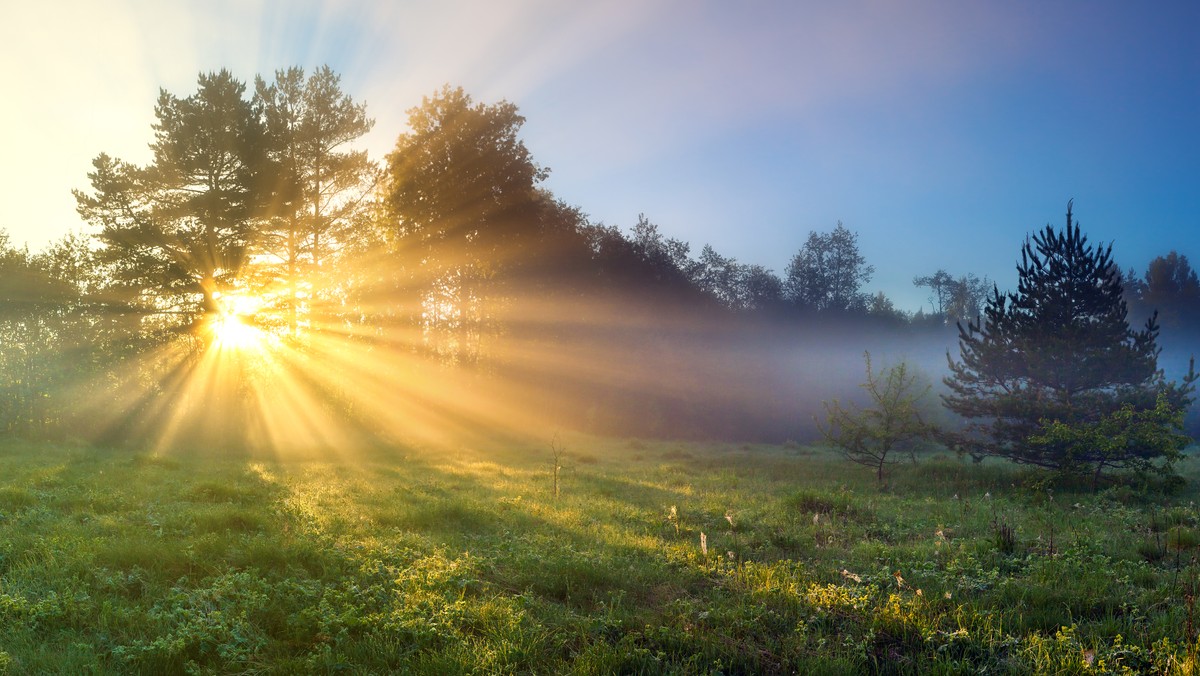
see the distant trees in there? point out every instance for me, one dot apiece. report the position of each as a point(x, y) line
point(1172, 288)
point(50, 330)
point(1056, 362)
point(454, 252)
point(828, 273)
point(955, 300)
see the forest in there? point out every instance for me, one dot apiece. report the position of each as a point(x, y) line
point(261, 283)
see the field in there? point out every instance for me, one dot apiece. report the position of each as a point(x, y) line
point(654, 558)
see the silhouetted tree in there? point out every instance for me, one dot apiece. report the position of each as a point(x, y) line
point(460, 192)
point(761, 289)
point(175, 233)
point(828, 273)
point(967, 296)
point(1172, 288)
point(955, 299)
point(1059, 351)
point(316, 186)
point(939, 284)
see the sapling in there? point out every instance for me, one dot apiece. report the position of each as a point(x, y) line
point(869, 435)
point(556, 450)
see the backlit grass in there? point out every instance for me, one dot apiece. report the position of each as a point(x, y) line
point(462, 560)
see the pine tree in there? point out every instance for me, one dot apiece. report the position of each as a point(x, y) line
point(1050, 365)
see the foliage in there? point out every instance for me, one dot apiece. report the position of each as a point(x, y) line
point(828, 272)
point(1144, 440)
point(1172, 288)
point(870, 435)
point(317, 189)
point(1055, 364)
point(955, 300)
point(176, 233)
point(461, 200)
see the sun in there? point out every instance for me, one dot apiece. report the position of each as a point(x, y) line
point(233, 326)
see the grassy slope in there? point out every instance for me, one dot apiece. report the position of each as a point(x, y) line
point(464, 561)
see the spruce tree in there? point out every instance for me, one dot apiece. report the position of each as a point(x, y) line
point(1050, 367)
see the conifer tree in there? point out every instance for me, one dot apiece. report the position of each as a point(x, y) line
point(1049, 366)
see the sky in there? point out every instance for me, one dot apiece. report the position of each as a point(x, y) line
point(942, 132)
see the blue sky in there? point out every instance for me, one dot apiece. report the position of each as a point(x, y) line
point(941, 132)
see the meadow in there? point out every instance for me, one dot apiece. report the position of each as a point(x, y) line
point(654, 557)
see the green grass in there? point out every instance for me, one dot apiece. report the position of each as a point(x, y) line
point(410, 561)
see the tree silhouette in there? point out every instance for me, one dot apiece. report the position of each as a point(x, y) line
point(316, 187)
point(828, 273)
point(1172, 288)
point(175, 234)
point(461, 198)
point(1059, 351)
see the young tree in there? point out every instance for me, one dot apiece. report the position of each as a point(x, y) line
point(1058, 352)
point(870, 435)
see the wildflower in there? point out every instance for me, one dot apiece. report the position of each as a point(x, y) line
point(987, 496)
point(850, 576)
point(730, 555)
point(899, 580)
point(920, 593)
point(1089, 656)
point(704, 544)
point(729, 517)
point(956, 496)
point(816, 518)
point(946, 596)
point(941, 535)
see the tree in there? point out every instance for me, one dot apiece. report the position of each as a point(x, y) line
point(1172, 288)
point(460, 192)
point(870, 435)
point(761, 289)
point(940, 284)
point(175, 234)
point(828, 273)
point(955, 299)
point(1057, 352)
point(882, 307)
point(316, 186)
point(967, 296)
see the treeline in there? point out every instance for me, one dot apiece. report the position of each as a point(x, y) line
point(443, 288)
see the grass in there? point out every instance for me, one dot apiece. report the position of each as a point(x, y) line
point(463, 561)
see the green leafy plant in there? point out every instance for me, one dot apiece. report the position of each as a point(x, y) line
point(869, 436)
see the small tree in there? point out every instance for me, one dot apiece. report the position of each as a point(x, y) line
point(1053, 376)
point(870, 435)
